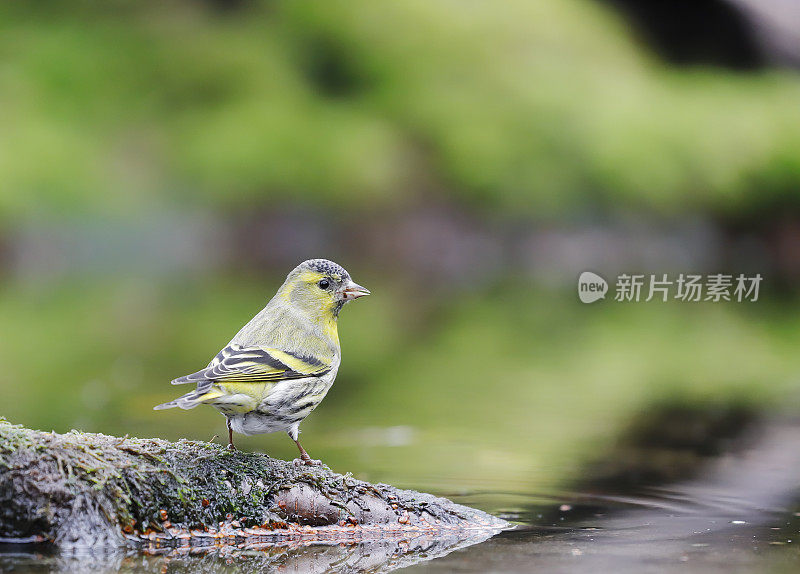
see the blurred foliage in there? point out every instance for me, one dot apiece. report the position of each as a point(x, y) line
point(541, 107)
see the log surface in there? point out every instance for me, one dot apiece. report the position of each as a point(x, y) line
point(88, 490)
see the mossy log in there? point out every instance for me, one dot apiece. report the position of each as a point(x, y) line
point(81, 489)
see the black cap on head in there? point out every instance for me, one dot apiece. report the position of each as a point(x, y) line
point(326, 266)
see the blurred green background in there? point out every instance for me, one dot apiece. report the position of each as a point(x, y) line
point(163, 165)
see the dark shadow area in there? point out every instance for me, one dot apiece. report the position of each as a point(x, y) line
point(690, 32)
point(673, 442)
point(330, 69)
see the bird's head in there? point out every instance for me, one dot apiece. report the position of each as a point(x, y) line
point(319, 287)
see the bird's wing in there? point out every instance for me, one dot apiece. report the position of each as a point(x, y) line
point(238, 364)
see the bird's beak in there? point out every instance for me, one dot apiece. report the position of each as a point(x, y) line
point(353, 291)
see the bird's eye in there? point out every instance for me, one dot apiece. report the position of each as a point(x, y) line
point(324, 283)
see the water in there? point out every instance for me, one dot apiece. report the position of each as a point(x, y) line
point(737, 513)
point(663, 532)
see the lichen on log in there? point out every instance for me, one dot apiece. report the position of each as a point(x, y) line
point(89, 490)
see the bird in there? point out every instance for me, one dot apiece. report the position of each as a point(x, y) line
point(277, 369)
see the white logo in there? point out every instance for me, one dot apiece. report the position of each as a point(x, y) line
point(591, 287)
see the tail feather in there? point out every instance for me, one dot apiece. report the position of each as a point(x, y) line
point(168, 405)
point(191, 399)
point(193, 378)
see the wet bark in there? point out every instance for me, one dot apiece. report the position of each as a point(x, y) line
point(80, 489)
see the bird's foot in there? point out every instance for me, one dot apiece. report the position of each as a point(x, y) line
point(306, 462)
point(231, 447)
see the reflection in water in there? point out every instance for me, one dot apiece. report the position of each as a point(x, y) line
point(374, 556)
point(737, 514)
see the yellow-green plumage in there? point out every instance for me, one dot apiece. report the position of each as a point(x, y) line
point(279, 366)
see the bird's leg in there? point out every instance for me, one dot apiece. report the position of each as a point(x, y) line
point(303, 453)
point(230, 435)
point(304, 458)
point(307, 460)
